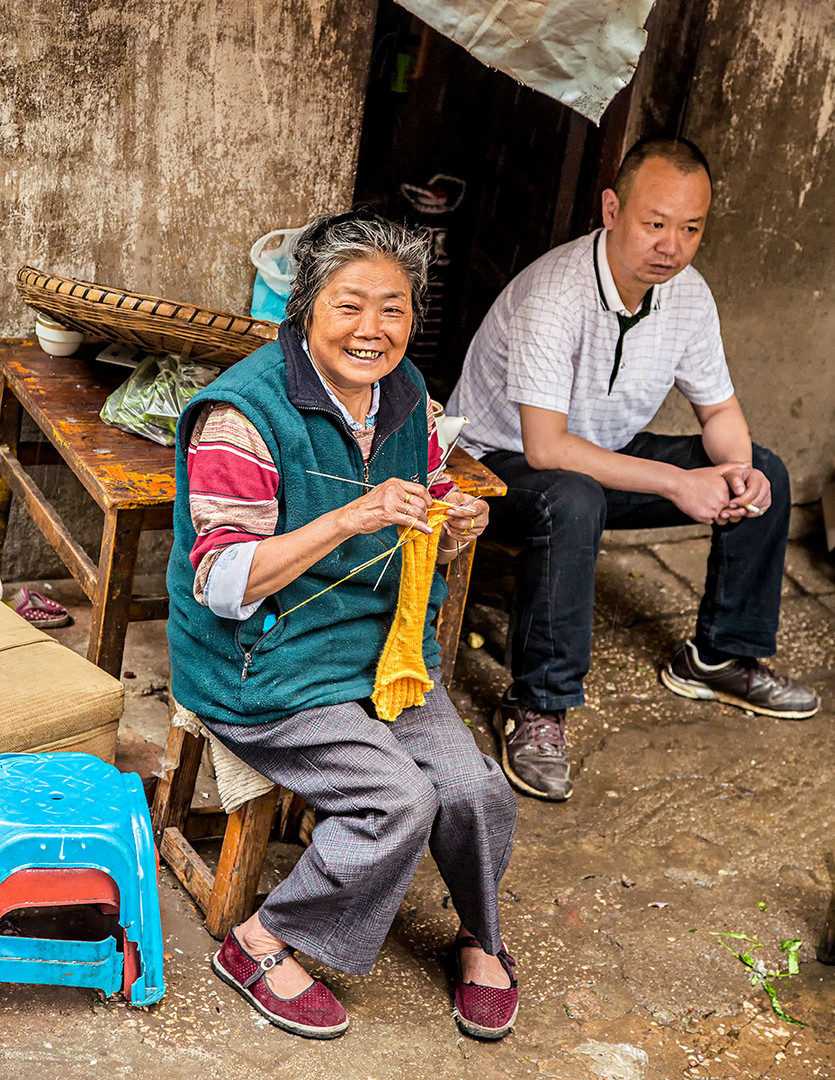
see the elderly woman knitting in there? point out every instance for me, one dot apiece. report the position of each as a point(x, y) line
point(303, 668)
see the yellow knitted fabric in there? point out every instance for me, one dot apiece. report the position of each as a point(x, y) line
point(401, 673)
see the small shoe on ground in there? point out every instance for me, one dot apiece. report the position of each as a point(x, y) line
point(485, 1012)
point(315, 1013)
point(39, 610)
point(749, 684)
point(534, 750)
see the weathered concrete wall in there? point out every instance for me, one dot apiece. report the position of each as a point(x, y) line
point(148, 145)
point(761, 107)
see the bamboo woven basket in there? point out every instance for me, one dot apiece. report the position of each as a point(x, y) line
point(142, 322)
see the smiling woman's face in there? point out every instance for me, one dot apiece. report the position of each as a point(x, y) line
point(361, 324)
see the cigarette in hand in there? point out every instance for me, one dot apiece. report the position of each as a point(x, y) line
point(752, 509)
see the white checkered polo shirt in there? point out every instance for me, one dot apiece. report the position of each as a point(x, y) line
point(550, 340)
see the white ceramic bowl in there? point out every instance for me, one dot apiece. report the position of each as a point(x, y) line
point(55, 339)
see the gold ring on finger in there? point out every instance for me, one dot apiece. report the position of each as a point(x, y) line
point(472, 525)
point(408, 497)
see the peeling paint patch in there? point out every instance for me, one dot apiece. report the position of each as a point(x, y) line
point(158, 486)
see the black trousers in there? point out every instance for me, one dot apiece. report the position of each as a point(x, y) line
point(558, 517)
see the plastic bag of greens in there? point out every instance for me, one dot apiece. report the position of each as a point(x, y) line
point(150, 401)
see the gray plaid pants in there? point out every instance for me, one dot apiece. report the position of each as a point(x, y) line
point(381, 792)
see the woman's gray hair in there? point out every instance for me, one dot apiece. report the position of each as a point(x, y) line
point(334, 241)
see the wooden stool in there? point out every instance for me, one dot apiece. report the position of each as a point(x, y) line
point(227, 897)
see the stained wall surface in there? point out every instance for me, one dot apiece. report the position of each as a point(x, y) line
point(148, 145)
point(762, 107)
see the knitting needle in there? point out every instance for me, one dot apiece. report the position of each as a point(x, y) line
point(388, 560)
point(429, 482)
point(359, 483)
point(449, 450)
point(329, 476)
point(377, 558)
point(400, 543)
point(350, 574)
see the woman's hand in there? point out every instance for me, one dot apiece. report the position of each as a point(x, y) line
point(466, 523)
point(394, 502)
point(280, 559)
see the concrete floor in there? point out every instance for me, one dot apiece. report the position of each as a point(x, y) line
point(688, 819)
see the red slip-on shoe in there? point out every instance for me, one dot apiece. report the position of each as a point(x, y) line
point(314, 1013)
point(485, 1012)
point(39, 610)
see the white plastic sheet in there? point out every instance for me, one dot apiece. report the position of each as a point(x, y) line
point(580, 52)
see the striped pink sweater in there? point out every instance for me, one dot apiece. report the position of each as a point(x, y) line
point(234, 483)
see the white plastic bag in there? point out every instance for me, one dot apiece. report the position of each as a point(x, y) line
point(272, 257)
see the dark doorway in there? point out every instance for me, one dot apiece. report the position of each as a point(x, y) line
point(438, 124)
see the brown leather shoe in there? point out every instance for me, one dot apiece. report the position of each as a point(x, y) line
point(534, 750)
point(315, 1013)
point(748, 684)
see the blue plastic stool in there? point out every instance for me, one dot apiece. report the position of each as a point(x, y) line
point(73, 829)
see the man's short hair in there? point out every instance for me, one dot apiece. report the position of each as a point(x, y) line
point(681, 153)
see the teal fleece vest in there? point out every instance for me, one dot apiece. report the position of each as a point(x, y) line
point(327, 651)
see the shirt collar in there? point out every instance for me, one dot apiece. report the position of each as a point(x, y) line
point(354, 425)
point(609, 295)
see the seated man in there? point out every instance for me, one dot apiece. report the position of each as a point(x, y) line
point(571, 362)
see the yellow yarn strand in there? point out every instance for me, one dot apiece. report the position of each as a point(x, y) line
point(357, 569)
point(402, 679)
point(406, 537)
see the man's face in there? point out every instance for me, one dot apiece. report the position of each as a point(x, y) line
point(655, 231)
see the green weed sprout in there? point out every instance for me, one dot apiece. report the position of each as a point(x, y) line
point(759, 973)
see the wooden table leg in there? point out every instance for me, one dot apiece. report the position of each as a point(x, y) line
point(114, 589)
point(451, 615)
point(9, 435)
point(228, 896)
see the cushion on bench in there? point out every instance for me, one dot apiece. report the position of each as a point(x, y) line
point(50, 697)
